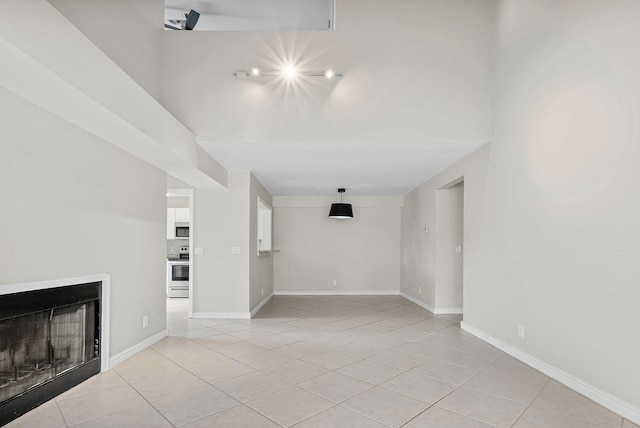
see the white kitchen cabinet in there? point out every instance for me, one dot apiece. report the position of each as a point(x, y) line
point(264, 228)
point(171, 223)
point(176, 215)
point(182, 215)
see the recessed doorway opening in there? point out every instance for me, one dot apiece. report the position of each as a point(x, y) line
point(179, 265)
point(449, 293)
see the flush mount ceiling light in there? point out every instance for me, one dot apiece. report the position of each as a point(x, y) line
point(288, 72)
point(341, 210)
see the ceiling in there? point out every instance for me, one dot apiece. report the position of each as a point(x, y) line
point(320, 168)
point(413, 99)
point(254, 15)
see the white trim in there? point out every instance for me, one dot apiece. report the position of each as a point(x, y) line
point(53, 283)
point(448, 311)
point(128, 353)
point(227, 315)
point(417, 302)
point(435, 311)
point(333, 15)
point(105, 322)
point(192, 262)
point(335, 293)
point(105, 303)
point(616, 405)
point(261, 304)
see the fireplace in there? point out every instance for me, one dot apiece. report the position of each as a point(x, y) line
point(50, 341)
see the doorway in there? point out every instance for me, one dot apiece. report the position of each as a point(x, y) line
point(179, 269)
point(450, 248)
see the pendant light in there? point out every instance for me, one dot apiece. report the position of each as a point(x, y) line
point(341, 210)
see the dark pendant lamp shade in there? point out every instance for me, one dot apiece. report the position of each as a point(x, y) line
point(341, 210)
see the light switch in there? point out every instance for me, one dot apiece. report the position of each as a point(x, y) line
point(458, 249)
point(199, 251)
point(235, 250)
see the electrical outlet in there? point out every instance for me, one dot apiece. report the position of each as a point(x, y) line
point(521, 331)
point(263, 291)
point(335, 282)
point(145, 321)
point(419, 290)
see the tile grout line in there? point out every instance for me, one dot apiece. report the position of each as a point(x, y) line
point(532, 401)
point(256, 370)
point(145, 398)
point(462, 385)
point(386, 380)
point(240, 403)
point(64, 420)
point(455, 389)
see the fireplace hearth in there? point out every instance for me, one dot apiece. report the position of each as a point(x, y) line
point(49, 342)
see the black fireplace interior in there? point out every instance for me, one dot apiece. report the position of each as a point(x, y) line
point(49, 342)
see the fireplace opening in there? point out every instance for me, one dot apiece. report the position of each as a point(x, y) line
point(49, 342)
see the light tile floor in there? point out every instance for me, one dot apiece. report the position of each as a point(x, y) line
point(321, 361)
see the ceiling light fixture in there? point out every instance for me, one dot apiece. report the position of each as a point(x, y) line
point(341, 210)
point(289, 72)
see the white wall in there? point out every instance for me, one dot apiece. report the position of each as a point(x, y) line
point(128, 31)
point(561, 236)
point(228, 284)
point(362, 254)
point(177, 202)
point(551, 228)
point(261, 275)
point(221, 221)
point(413, 71)
point(80, 206)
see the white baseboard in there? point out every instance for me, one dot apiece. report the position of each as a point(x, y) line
point(260, 305)
point(448, 311)
point(128, 353)
point(335, 293)
point(418, 302)
point(227, 315)
point(616, 405)
point(435, 311)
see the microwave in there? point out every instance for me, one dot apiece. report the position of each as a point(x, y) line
point(182, 231)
